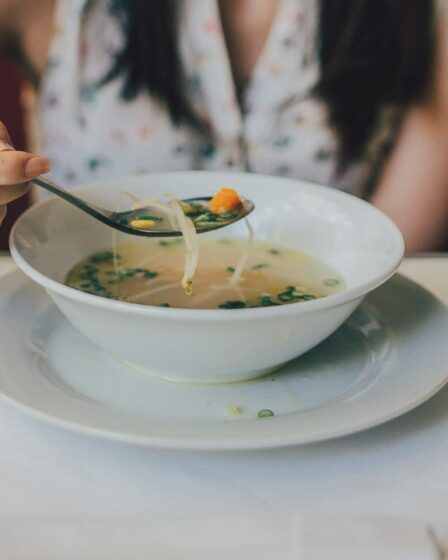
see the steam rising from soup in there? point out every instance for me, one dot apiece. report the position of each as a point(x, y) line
point(149, 273)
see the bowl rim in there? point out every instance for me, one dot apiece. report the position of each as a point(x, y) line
point(330, 301)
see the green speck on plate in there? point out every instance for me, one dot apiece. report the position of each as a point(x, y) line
point(265, 413)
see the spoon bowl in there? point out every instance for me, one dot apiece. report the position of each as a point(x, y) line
point(203, 220)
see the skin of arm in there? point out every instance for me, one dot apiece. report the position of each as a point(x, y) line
point(413, 189)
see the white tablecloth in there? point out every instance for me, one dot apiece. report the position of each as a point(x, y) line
point(398, 469)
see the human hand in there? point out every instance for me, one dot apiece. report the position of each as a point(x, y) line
point(16, 169)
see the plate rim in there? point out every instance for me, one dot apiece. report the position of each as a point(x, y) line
point(288, 439)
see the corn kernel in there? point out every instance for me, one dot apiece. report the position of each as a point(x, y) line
point(234, 410)
point(142, 224)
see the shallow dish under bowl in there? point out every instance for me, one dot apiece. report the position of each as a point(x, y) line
point(214, 346)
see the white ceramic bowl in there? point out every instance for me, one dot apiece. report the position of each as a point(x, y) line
point(214, 346)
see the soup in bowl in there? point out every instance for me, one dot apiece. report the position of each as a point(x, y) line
point(316, 253)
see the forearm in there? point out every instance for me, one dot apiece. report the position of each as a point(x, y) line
point(413, 190)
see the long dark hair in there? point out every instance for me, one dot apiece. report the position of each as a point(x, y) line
point(371, 52)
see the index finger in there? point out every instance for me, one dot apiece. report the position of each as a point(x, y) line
point(17, 167)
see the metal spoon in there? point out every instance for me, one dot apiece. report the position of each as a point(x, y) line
point(122, 220)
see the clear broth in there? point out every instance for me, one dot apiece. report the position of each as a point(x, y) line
point(149, 273)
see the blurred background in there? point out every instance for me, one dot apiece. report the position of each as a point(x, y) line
point(12, 114)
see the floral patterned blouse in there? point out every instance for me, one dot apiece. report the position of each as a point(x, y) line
point(277, 128)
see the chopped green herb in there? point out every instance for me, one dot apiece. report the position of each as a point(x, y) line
point(90, 268)
point(96, 289)
point(287, 295)
point(203, 218)
point(166, 243)
point(266, 301)
point(146, 217)
point(331, 282)
point(274, 251)
point(305, 297)
point(103, 257)
point(206, 224)
point(258, 266)
point(233, 305)
point(265, 413)
point(124, 273)
point(193, 210)
point(192, 214)
point(207, 217)
point(230, 269)
point(290, 295)
point(228, 215)
point(89, 275)
point(164, 305)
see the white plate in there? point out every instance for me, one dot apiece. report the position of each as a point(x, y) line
point(390, 356)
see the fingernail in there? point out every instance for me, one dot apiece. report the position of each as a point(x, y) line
point(37, 166)
point(5, 146)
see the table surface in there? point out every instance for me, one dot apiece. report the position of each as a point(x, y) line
point(400, 468)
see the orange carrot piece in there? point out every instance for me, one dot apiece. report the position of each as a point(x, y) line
point(225, 200)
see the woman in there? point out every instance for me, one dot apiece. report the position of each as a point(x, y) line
point(341, 92)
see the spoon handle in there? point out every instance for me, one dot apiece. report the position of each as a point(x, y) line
point(72, 199)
